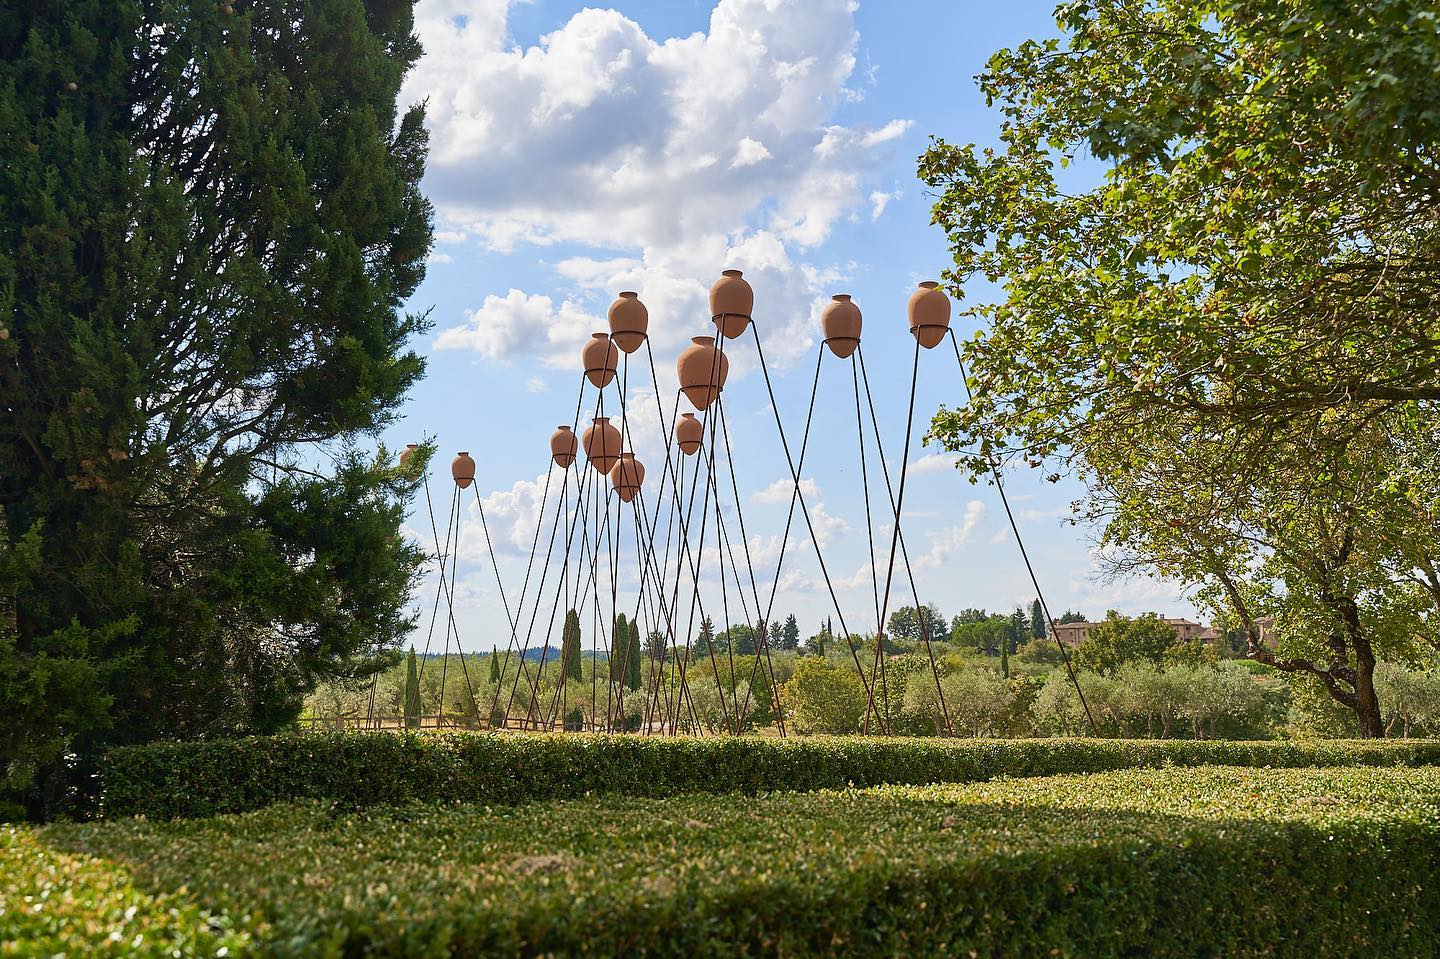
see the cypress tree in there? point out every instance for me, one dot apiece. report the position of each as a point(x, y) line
point(570, 648)
point(209, 220)
point(1005, 660)
point(495, 668)
point(412, 692)
point(632, 661)
point(619, 649)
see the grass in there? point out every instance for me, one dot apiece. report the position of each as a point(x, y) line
point(1209, 861)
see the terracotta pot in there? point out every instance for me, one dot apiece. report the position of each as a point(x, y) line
point(929, 312)
point(731, 303)
point(702, 370)
point(602, 444)
point(599, 359)
point(689, 433)
point(841, 322)
point(628, 322)
point(407, 452)
point(627, 476)
point(462, 467)
point(562, 446)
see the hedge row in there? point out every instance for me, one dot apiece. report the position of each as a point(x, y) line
point(1216, 861)
point(171, 780)
point(54, 903)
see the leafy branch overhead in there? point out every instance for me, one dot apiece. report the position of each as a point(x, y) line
point(1214, 225)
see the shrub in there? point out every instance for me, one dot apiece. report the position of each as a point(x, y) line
point(1160, 863)
point(165, 780)
point(979, 702)
point(823, 698)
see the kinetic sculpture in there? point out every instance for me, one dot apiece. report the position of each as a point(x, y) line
point(663, 565)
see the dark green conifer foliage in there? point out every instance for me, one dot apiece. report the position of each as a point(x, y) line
point(632, 660)
point(209, 221)
point(412, 691)
point(570, 648)
point(619, 648)
point(495, 668)
point(790, 634)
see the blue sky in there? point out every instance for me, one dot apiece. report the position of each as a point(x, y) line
point(578, 151)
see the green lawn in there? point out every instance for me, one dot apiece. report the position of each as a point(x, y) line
point(1209, 861)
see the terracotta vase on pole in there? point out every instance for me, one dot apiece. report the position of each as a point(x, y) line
point(627, 476)
point(689, 433)
point(731, 303)
point(599, 358)
point(841, 322)
point(602, 444)
point(462, 468)
point(562, 446)
point(408, 452)
point(702, 369)
point(929, 314)
point(628, 322)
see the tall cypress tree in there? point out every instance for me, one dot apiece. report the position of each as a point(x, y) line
point(495, 668)
point(619, 648)
point(632, 660)
point(570, 648)
point(412, 692)
point(209, 219)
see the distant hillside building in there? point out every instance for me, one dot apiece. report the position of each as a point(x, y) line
point(1073, 634)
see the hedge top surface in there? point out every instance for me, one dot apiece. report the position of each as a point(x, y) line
point(167, 780)
point(1083, 865)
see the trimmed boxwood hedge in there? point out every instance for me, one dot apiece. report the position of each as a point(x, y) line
point(54, 903)
point(168, 780)
point(1159, 863)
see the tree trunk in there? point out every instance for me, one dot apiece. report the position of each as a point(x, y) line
point(1367, 704)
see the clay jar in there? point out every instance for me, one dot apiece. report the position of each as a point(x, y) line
point(407, 452)
point(599, 359)
point(731, 303)
point(627, 476)
point(628, 322)
point(702, 369)
point(929, 313)
point(562, 446)
point(462, 468)
point(689, 433)
point(602, 444)
point(841, 322)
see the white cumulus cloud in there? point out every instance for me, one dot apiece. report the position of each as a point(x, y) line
point(670, 159)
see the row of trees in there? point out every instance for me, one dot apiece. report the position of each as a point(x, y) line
point(741, 638)
point(1223, 699)
point(1160, 691)
point(991, 632)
